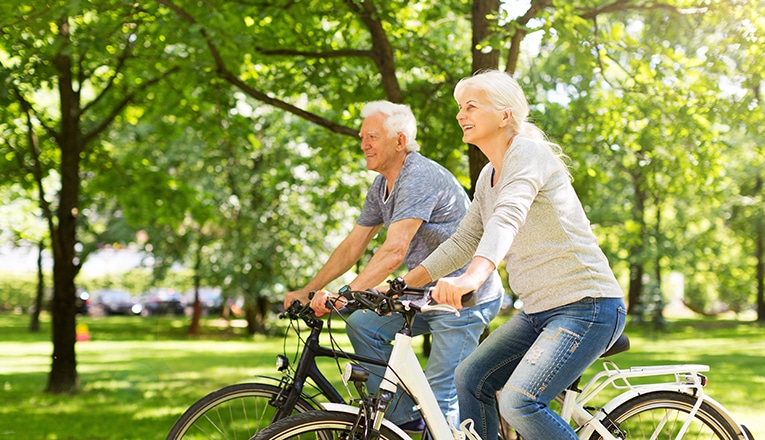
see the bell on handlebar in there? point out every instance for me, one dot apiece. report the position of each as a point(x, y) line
point(397, 284)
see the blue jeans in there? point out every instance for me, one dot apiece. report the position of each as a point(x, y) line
point(531, 359)
point(453, 338)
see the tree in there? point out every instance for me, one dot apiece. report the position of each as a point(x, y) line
point(79, 55)
point(631, 88)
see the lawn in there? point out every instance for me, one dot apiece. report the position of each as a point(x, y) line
point(137, 375)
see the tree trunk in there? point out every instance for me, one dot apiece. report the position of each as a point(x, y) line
point(196, 316)
point(482, 28)
point(635, 301)
point(256, 315)
point(63, 375)
point(760, 254)
point(34, 324)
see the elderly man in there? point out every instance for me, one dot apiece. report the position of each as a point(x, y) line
point(420, 203)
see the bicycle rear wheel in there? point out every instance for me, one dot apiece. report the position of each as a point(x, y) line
point(233, 412)
point(320, 425)
point(661, 414)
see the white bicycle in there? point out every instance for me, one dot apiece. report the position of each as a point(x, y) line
point(672, 408)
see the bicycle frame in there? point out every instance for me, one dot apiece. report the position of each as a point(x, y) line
point(403, 368)
point(307, 369)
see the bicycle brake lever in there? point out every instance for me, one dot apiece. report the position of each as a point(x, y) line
point(439, 308)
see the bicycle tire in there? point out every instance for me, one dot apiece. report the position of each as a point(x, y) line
point(319, 425)
point(661, 415)
point(233, 412)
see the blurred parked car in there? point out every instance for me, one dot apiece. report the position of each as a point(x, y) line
point(118, 302)
point(82, 302)
point(163, 301)
point(209, 297)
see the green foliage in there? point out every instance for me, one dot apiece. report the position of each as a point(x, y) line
point(244, 167)
point(17, 292)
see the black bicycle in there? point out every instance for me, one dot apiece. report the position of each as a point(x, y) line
point(240, 411)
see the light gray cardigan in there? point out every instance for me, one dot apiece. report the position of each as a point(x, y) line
point(534, 220)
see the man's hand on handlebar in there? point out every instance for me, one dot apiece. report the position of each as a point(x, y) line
point(300, 295)
point(320, 300)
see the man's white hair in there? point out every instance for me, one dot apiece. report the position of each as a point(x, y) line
point(398, 119)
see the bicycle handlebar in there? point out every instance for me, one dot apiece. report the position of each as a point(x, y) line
point(384, 303)
point(376, 301)
point(296, 310)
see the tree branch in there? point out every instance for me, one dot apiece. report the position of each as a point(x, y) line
point(327, 55)
point(382, 52)
point(627, 5)
point(521, 30)
point(120, 63)
point(98, 129)
point(27, 106)
point(233, 79)
point(34, 147)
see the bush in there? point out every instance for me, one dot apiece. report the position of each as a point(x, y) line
point(17, 291)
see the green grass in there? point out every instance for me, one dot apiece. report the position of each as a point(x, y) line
point(137, 375)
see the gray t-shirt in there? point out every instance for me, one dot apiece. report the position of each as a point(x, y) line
point(427, 191)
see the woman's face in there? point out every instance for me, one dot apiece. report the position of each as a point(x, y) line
point(479, 119)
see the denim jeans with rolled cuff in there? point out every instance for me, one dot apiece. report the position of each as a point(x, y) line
point(530, 359)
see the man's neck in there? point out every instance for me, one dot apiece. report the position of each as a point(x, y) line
point(392, 174)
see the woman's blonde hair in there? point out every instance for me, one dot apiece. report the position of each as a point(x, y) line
point(504, 92)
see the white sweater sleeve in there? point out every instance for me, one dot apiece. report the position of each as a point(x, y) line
point(458, 249)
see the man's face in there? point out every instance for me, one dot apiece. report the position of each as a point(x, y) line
point(378, 146)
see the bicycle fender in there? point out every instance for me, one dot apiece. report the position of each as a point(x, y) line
point(742, 433)
point(627, 395)
point(349, 409)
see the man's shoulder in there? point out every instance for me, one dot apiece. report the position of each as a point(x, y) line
point(421, 167)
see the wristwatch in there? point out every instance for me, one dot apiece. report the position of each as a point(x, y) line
point(344, 290)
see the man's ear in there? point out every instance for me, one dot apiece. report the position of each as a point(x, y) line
point(401, 142)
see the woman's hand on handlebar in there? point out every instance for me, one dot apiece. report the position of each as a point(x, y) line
point(450, 290)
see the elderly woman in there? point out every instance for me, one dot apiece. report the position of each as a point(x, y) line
point(524, 211)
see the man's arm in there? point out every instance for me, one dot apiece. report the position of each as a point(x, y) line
point(390, 255)
point(342, 259)
point(386, 260)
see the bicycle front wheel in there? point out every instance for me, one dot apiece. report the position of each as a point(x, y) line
point(320, 425)
point(233, 412)
point(661, 415)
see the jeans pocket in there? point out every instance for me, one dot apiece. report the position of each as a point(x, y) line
point(621, 321)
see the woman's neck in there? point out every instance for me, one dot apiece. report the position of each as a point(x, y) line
point(496, 154)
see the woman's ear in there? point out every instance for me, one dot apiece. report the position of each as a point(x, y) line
point(507, 117)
